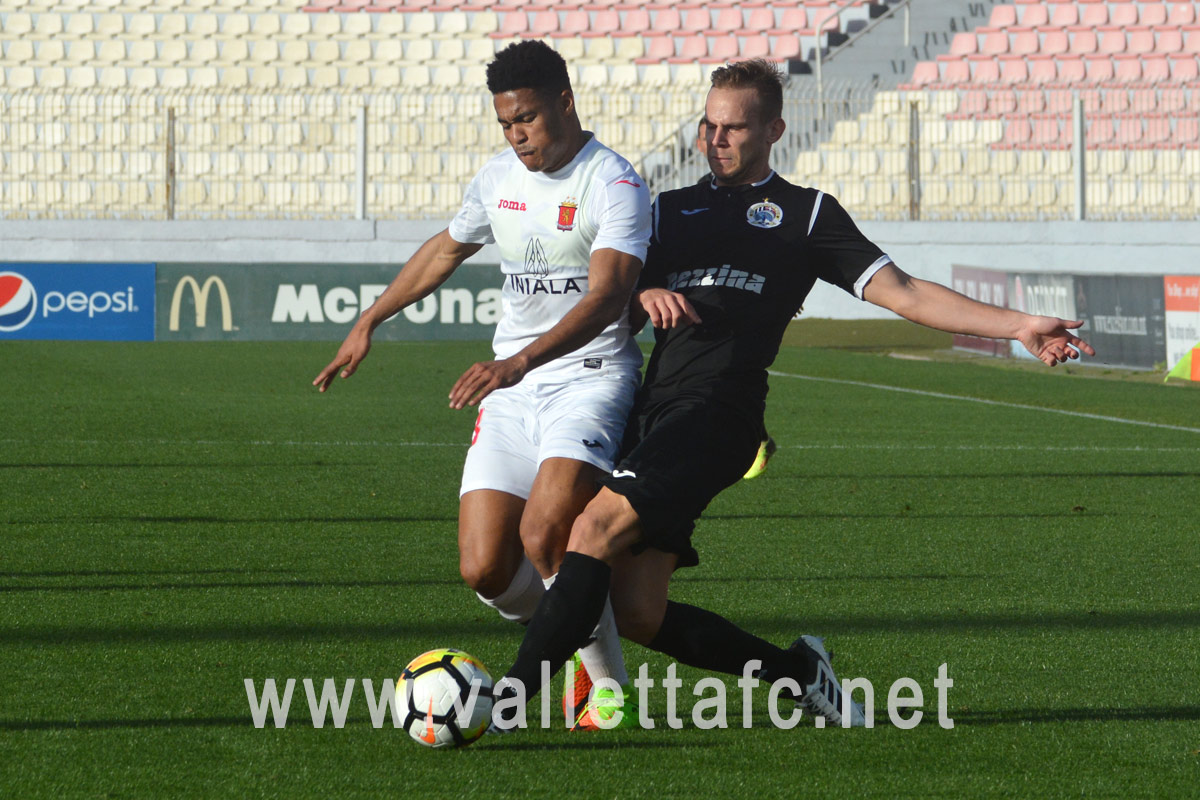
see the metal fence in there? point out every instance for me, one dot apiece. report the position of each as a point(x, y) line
point(1120, 152)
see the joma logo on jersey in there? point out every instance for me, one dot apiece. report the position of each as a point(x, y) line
point(716, 276)
point(510, 205)
point(523, 285)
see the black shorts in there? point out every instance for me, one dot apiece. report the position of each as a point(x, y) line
point(676, 457)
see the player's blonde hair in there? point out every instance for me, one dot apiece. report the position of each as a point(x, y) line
point(758, 74)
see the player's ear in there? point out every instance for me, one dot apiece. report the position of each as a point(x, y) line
point(775, 129)
point(566, 101)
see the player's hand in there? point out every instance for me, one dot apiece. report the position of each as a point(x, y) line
point(484, 378)
point(1051, 339)
point(667, 309)
point(349, 356)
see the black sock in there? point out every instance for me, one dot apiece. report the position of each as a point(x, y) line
point(703, 639)
point(565, 618)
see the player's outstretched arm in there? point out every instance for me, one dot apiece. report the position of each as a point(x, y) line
point(664, 309)
point(1048, 338)
point(428, 269)
point(612, 274)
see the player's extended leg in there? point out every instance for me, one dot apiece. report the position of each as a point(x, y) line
point(562, 489)
point(490, 556)
point(572, 606)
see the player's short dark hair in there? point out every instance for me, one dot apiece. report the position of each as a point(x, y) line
point(530, 64)
point(757, 74)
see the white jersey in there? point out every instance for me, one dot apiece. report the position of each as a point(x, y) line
point(547, 225)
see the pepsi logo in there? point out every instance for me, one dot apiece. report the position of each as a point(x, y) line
point(18, 301)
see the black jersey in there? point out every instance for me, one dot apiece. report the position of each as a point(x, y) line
point(745, 257)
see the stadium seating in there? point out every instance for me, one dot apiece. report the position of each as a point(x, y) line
point(267, 93)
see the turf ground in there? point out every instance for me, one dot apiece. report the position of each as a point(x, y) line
point(179, 517)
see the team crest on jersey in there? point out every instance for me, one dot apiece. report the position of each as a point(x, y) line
point(764, 215)
point(566, 214)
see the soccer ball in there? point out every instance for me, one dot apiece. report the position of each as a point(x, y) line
point(441, 707)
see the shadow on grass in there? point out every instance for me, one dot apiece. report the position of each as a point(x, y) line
point(114, 573)
point(278, 584)
point(1021, 716)
point(221, 520)
point(436, 627)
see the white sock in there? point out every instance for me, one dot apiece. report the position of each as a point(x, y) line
point(602, 658)
point(520, 599)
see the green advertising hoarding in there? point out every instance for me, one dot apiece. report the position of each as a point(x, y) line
point(318, 302)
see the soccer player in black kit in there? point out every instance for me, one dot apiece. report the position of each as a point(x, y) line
point(729, 263)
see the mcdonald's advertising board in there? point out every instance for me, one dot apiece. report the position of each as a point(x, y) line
point(318, 302)
point(105, 302)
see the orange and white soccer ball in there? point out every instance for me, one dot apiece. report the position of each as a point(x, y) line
point(447, 698)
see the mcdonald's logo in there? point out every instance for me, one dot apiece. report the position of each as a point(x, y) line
point(200, 296)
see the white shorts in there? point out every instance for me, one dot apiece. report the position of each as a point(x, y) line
point(521, 426)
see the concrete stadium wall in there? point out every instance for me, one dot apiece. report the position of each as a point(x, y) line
point(924, 249)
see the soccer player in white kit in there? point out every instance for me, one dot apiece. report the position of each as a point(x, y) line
point(571, 219)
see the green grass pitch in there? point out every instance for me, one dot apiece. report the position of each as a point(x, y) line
point(179, 517)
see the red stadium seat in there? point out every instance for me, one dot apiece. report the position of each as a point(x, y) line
point(794, 19)
point(512, 23)
point(1184, 68)
point(636, 20)
point(993, 43)
point(786, 47)
point(728, 20)
point(1017, 131)
point(722, 47)
point(1003, 16)
point(1187, 131)
point(1191, 41)
point(1099, 69)
point(1059, 101)
point(543, 23)
point(1070, 70)
point(925, 73)
point(688, 48)
point(1046, 131)
point(1129, 130)
point(1168, 40)
point(1030, 101)
point(1043, 69)
point(1123, 14)
point(1172, 99)
point(973, 101)
point(760, 20)
point(1152, 14)
point(1024, 43)
point(606, 23)
point(658, 49)
point(1064, 15)
point(1155, 68)
point(666, 20)
point(1128, 68)
point(1034, 15)
point(1112, 40)
point(1055, 42)
point(956, 72)
point(1140, 40)
point(696, 19)
point(574, 23)
point(1181, 14)
point(1083, 40)
point(1093, 14)
point(1114, 101)
point(984, 70)
point(1002, 101)
point(963, 44)
point(1158, 129)
point(755, 46)
point(1098, 131)
point(1013, 69)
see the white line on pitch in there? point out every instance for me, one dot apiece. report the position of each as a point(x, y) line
point(214, 443)
point(943, 396)
point(989, 447)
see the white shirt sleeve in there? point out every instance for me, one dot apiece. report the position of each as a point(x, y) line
point(624, 221)
point(471, 224)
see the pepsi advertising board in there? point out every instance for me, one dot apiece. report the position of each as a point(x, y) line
point(108, 302)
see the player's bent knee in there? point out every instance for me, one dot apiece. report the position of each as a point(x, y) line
point(489, 579)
